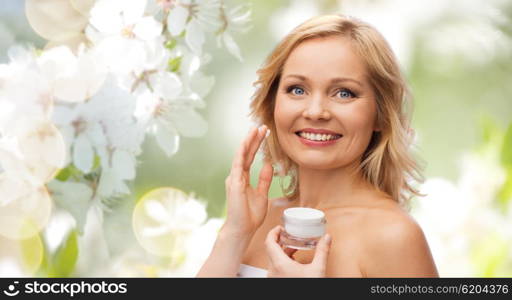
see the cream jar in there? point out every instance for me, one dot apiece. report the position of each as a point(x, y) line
point(303, 227)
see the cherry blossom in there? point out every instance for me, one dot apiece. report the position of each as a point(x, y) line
point(74, 116)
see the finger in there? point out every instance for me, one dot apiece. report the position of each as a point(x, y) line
point(243, 147)
point(274, 250)
point(265, 179)
point(254, 145)
point(322, 251)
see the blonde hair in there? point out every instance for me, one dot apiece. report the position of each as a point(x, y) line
point(386, 163)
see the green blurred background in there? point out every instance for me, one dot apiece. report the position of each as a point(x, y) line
point(458, 61)
point(454, 88)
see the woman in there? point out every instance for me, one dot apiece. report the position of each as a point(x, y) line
point(333, 99)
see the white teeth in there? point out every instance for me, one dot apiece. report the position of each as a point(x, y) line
point(317, 136)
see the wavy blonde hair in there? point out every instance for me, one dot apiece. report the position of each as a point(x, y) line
point(387, 162)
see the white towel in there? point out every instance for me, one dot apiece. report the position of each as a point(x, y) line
point(250, 271)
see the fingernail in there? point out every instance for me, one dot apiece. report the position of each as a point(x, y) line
point(268, 133)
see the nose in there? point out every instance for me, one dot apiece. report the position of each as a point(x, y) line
point(316, 109)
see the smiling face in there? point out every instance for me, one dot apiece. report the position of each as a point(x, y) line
point(325, 108)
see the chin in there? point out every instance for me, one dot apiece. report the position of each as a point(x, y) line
point(317, 164)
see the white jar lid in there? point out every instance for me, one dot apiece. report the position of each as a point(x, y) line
point(303, 215)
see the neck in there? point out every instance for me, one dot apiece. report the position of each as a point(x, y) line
point(331, 187)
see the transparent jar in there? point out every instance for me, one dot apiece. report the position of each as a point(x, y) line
point(303, 227)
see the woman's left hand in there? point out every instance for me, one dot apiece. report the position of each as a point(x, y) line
point(282, 263)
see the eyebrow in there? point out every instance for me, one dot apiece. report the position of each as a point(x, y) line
point(334, 80)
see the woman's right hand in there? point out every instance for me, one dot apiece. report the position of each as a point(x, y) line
point(247, 206)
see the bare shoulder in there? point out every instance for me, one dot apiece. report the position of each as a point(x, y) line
point(395, 245)
point(391, 222)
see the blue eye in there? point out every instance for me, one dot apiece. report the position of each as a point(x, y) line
point(345, 93)
point(295, 90)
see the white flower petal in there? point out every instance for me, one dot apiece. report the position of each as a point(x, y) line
point(96, 135)
point(68, 133)
point(121, 188)
point(27, 214)
point(57, 230)
point(165, 237)
point(83, 154)
point(104, 157)
point(73, 78)
point(7, 111)
point(83, 83)
point(74, 197)
point(187, 121)
point(124, 164)
point(73, 42)
point(11, 188)
point(191, 214)
point(157, 55)
point(52, 146)
point(108, 183)
point(157, 211)
point(63, 115)
point(57, 62)
point(199, 246)
point(155, 231)
point(147, 28)
point(145, 107)
point(190, 64)
point(176, 20)
point(194, 36)
point(166, 85)
point(40, 151)
point(30, 93)
point(122, 56)
point(168, 139)
point(201, 84)
point(54, 19)
point(106, 17)
point(20, 55)
point(82, 6)
point(231, 45)
point(133, 10)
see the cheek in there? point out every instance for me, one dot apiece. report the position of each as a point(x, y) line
point(283, 115)
point(361, 118)
point(359, 124)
